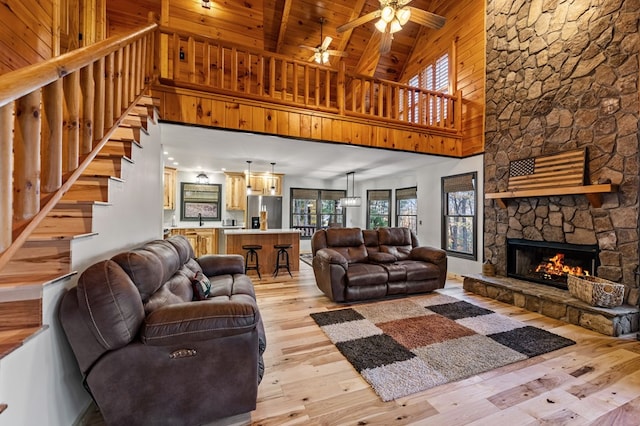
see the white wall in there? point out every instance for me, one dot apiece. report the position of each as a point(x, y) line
point(41, 381)
point(427, 179)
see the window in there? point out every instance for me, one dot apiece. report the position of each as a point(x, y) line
point(434, 77)
point(459, 221)
point(378, 208)
point(407, 208)
point(313, 209)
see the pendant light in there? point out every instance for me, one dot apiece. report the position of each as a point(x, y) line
point(249, 178)
point(351, 201)
point(273, 180)
point(202, 178)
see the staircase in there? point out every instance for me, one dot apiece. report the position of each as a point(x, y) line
point(74, 125)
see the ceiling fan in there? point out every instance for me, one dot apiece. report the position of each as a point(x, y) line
point(393, 15)
point(321, 52)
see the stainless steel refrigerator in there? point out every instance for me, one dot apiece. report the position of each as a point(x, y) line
point(273, 205)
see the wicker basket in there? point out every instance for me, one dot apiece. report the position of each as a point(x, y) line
point(596, 291)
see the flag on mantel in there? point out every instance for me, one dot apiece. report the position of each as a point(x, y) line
point(564, 169)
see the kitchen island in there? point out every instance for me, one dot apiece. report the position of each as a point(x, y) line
point(236, 238)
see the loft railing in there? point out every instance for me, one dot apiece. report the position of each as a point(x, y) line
point(194, 61)
point(55, 116)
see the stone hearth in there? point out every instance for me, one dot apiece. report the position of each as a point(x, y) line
point(555, 303)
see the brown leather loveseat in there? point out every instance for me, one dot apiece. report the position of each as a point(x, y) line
point(152, 356)
point(351, 264)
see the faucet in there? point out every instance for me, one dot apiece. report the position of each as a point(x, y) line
point(200, 219)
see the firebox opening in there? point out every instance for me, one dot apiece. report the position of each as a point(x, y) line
point(550, 263)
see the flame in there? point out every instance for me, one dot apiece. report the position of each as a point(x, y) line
point(555, 266)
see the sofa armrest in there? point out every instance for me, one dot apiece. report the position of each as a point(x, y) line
point(221, 264)
point(331, 256)
point(428, 254)
point(202, 320)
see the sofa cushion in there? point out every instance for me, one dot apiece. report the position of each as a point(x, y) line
point(201, 286)
point(182, 246)
point(348, 242)
point(418, 271)
point(149, 267)
point(366, 274)
point(370, 237)
point(227, 286)
point(395, 241)
point(396, 272)
point(177, 289)
point(110, 304)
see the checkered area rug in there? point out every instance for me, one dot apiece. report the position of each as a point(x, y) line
point(404, 346)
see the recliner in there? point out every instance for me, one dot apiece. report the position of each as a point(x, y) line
point(149, 354)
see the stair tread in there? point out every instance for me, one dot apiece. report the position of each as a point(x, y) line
point(48, 236)
point(114, 157)
point(40, 280)
point(11, 340)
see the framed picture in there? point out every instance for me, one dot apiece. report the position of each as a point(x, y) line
point(199, 200)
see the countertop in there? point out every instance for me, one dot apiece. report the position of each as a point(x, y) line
point(257, 231)
point(196, 226)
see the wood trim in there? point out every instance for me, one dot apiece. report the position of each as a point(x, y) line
point(592, 192)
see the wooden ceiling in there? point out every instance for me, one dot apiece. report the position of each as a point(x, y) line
point(283, 25)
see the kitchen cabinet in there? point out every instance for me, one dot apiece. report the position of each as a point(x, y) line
point(169, 185)
point(235, 191)
point(261, 184)
point(203, 240)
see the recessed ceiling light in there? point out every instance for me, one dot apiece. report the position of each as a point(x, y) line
point(170, 158)
point(166, 153)
point(175, 163)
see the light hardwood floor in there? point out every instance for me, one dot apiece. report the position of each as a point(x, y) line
point(308, 382)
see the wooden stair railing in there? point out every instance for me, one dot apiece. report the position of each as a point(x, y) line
point(55, 117)
point(196, 62)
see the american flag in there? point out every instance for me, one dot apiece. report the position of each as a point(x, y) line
point(564, 169)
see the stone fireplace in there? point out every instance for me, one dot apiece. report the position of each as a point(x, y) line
point(550, 263)
point(563, 75)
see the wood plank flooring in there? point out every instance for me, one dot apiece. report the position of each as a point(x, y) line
point(307, 381)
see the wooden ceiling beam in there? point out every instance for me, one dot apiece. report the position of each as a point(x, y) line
point(286, 9)
point(346, 36)
point(370, 57)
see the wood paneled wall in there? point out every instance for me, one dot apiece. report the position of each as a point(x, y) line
point(188, 106)
point(465, 28)
point(26, 33)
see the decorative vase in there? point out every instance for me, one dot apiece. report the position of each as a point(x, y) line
point(263, 220)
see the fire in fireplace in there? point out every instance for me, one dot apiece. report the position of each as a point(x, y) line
point(550, 263)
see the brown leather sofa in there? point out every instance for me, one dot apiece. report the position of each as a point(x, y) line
point(351, 264)
point(152, 356)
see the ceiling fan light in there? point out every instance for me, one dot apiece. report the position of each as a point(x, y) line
point(325, 57)
point(403, 15)
point(317, 57)
point(381, 26)
point(388, 13)
point(395, 26)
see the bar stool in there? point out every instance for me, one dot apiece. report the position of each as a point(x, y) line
point(282, 258)
point(251, 258)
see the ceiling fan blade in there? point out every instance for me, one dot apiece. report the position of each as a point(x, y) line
point(425, 18)
point(312, 58)
point(325, 44)
point(385, 42)
point(337, 53)
point(359, 21)
point(302, 46)
point(403, 2)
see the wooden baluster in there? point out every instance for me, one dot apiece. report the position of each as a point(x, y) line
point(284, 80)
point(220, 67)
point(260, 79)
point(109, 91)
point(316, 93)
point(99, 99)
point(125, 79)
point(133, 74)
point(327, 89)
point(247, 73)
point(206, 62)
point(363, 96)
point(142, 65)
point(26, 149)
point(405, 100)
point(272, 77)
point(372, 97)
point(381, 90)
point(6, 175)
point(390, 111)
point(306, 84)
point(234, 69)
point(71, 133)
point(137, 68)
point(340, 89)
point(117, 85)
point(296, 83)
point(52, 110)
point(88, 98)
point(191, 57)
point(422, 100)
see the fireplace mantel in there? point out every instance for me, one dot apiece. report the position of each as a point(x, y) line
point(592, 192)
